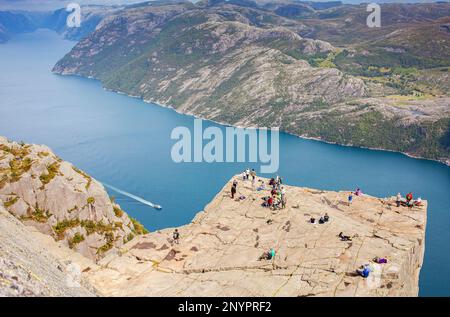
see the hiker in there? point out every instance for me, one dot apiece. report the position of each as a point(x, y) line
point(247, 173)
point(233, 189)
point(176, 236)
point(350, 199)
point(253, 174)
point(380, 260)
point(364, 270)
point(268, 255)
point(321, 220)
point(272, 182)
point(398, 199)
point(344, 237)
point(358, 192)
point(326, 217)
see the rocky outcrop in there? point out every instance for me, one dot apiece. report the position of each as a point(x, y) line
point(27, 267)
point(218, 252)
point(60, 200)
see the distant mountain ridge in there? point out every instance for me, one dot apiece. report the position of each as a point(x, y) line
point(313, 69)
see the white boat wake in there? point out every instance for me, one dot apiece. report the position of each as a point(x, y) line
point(139, 199)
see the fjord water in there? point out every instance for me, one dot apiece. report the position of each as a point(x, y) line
point(125, 142)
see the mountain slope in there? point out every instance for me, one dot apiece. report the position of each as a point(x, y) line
point(250, 64)
point(62, 201)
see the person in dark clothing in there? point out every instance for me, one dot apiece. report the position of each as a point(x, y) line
point(233, 190)
point(344, 238)
point(176, 236)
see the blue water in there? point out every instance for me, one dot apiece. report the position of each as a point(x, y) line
point(125, 142)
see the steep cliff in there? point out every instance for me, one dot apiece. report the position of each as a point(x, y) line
point(218, 252)
point(62, 201)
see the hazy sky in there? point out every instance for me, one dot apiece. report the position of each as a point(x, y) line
point(34, 5)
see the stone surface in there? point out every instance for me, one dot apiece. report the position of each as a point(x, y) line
point(27, 268)
point(218, 252)
point(60, 200)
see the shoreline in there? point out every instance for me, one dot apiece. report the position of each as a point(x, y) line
point(317, 139)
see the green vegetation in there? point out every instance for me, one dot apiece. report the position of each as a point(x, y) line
point(8, 203)
point(138, 227)
point(37, 215)
point(86, 176)
point(76, 239)
point(173, 65)
point(52, 172)
point(61, 227)
point(98, 227)
point(118, 212)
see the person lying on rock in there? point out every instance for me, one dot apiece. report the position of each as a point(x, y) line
point(344, 237)
point(268, 255)
point(380, 260)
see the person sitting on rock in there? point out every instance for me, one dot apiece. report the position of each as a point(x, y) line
point(270, 202)
point(176, 236)
point(344, 237)
point(268, 255)
point(409, 197)
point(364, 270)
point(380, 260)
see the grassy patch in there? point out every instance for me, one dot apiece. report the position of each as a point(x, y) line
point(52, 172)
point(10, 202)
point(76, 239)
point(38, 215)
point(86, 176)
point(118, 212)
point(138, 227)
point(98, 227)
point(64, 225)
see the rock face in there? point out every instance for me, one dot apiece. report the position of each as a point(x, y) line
point(312, 71)
point(60, 200)
point(27, 268)
point(218, 252)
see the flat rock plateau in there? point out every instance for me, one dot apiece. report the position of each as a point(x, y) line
point(218, 252)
